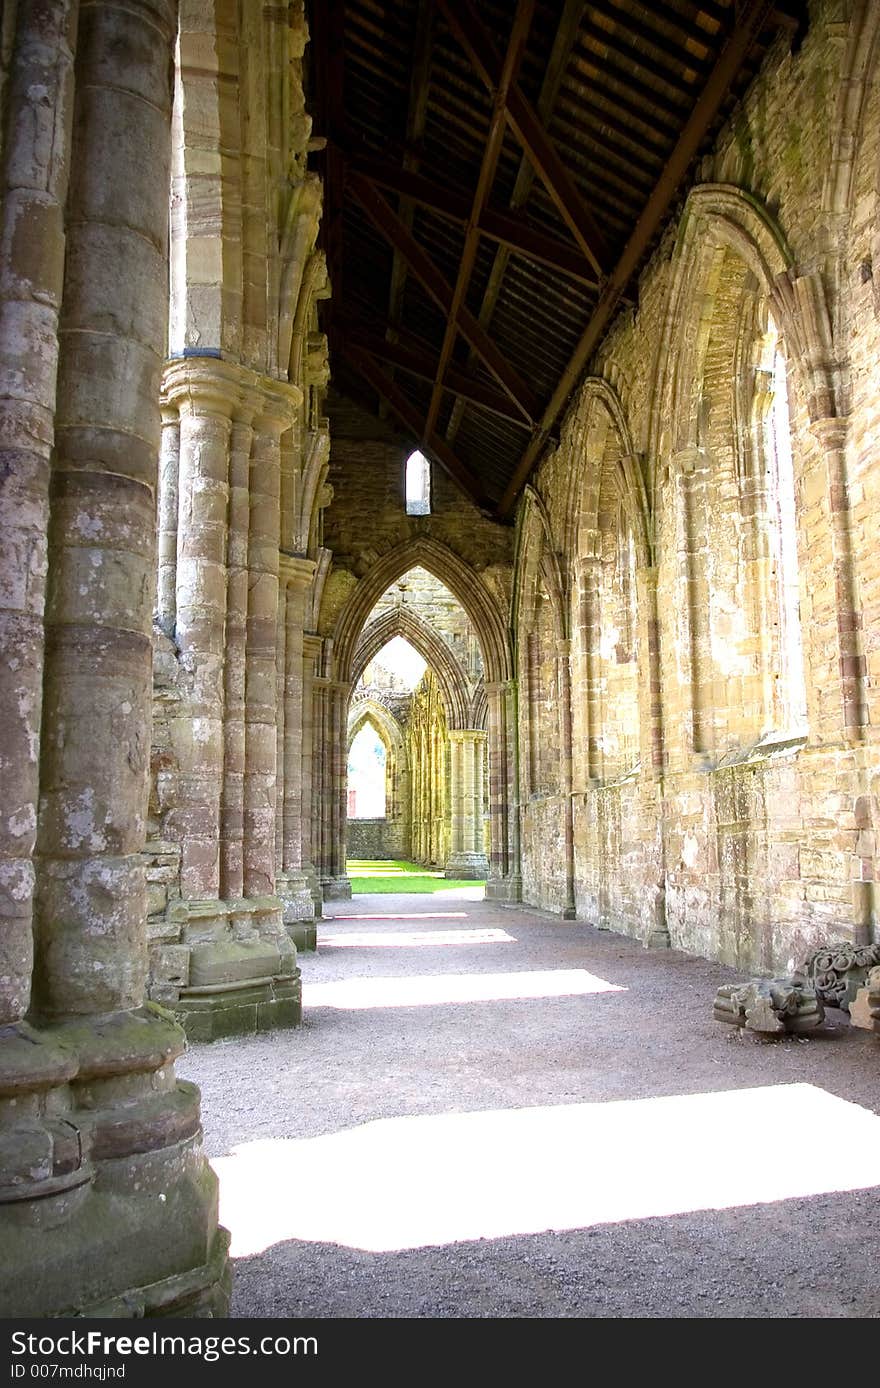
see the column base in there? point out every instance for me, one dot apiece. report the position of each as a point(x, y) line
point(336, 888)
point(314, 887)
point(230, 969)
point(116, 1214)
point(505, 889)
point(234, 1010)
point(467, 867)
point(298, 910)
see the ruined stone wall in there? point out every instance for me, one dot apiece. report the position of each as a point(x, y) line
point(707, 808)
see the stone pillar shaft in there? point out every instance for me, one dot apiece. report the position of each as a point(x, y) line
point(590, 637)
point(232, 801)
point(694, 566)
point(202, 390)
point(831, 434)
point(262, 615)
point(563, 687)
point(467, 856)
point(35, 174)
point(311, 651)
point(91, 914)
point(167, 516)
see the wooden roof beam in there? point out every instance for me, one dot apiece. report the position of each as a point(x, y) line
point(525, 10)
point(529, 131)
point(417, 111)
point(507, 228)
point(386, 221)
point(752, 17)
point(419, 359)
point(563, 44)
point(411, 420)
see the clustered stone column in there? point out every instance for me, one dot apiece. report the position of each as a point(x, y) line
point(292, 884)
point(467, 755)
point(330, 787)
point(653, 749)
point(694, 474)
point(225, 962)
point(312, 647)
point(587, 589)
point(100, 1143)
point(504, 882)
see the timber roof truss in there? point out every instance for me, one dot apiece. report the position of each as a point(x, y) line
point(495, 175)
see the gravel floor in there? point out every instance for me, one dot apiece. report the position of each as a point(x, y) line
point(441, 1139)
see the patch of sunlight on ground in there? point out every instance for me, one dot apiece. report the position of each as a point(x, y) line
point(400, 916)
point(405, 939)
point(430, 990)
point(417, 1182)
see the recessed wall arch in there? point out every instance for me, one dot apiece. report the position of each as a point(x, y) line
point(598, 401)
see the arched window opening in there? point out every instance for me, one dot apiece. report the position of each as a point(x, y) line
point(782, 517)
point(367, 775)
point(418, 485)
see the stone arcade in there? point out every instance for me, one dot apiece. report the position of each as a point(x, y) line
point(611, 267)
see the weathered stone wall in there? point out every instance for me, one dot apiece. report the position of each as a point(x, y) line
point(707, 808)
point(376, 838)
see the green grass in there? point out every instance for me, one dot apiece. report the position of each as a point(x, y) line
point(389, 876)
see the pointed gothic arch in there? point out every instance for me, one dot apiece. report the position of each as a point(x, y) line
point(432, 648)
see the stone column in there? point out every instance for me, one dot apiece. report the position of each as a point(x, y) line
point(312, 646)
point(335, 883)
point(232, 799)
point(467, 858)
point(280, 407)
point(831, 434)
point(292, 885)
point(694, 478)
point(505, 880)
point(34, 185)
point(124, 1128)
point(587, 581)
point(563, 694)
point(204, 391)
point(166, 519)
point(652, 743)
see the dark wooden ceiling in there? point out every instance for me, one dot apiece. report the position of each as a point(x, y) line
point(495, 174)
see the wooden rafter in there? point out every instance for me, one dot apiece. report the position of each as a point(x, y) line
point(389, 225)
point(507, 228)
point(530, 131)
point(417, 110)
point(419, 359)
point(562, 46)
point(412, 421)
point(488, 165)
point(752, 16)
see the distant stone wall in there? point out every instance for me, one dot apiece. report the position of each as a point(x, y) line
point(375, 838)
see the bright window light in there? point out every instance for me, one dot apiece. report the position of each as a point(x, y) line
point(455, 1177)
point(418, 485)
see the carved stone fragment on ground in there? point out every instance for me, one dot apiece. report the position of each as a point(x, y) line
point(865, 1008)
point(837, 972)
point(769, 1006)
